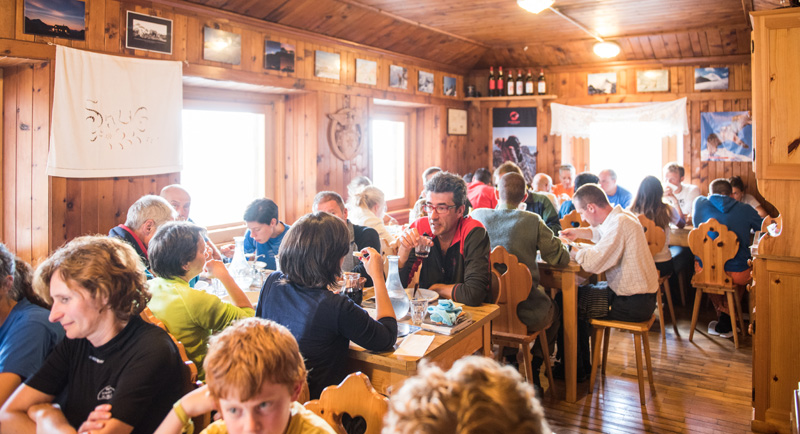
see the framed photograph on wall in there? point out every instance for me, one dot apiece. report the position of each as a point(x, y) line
point(425, 82)
point(449, 86)
point(222, 46)
point(327, 65)
point(398, 77)
point(366, 72)
point(652, 80)
point(145, 32)
point(711, 78)
point(456, 122)
point(278, 56)
point(726, 136)
point(603, 83)
point(62, 19)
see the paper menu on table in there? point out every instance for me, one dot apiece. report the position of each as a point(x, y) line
point(414, 345)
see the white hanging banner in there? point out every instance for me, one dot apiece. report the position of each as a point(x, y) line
point(114, 116)
point(575, 121)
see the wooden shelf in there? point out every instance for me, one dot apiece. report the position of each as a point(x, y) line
point(513, 98)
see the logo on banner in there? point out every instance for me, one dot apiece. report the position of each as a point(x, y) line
point(513, 118)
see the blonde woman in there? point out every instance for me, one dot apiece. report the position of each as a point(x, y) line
point(367, 209)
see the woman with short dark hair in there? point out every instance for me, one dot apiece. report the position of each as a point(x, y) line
point(26, 336)
point(323, 322)
point(111, 359)
point(178, 252)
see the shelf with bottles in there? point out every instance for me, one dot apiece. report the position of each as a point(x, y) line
point(512, 98)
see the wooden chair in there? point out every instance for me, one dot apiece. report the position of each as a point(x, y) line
point(354, 396)
point(574, 220)
point(200, 422)
point(656, 238)
point(712, 279)
point(507, 329)
point(148, 316)
point(602, 333)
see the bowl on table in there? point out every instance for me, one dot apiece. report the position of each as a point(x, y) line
point(427, 294)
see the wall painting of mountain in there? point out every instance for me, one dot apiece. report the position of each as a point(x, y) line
point(57, 18)
point(145, 32)
point(711, 79)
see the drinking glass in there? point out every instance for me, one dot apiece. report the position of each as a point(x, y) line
point(419, 307)
point(350, 287)
point(423, 246)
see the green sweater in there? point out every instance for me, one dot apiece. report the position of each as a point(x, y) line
point(522, 233)
point(191, 315)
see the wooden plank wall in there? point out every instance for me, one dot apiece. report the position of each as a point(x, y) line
point(87, 206)
point(26, 119)
point(570, 85)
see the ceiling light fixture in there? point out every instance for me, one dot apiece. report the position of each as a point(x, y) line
point(603, 48)
point(606, 49)
point(535, 6)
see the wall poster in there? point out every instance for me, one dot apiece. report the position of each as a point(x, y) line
point(514, 138)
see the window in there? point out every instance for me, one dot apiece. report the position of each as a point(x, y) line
point(389, 156)
point(632, 150)
point(223, 162)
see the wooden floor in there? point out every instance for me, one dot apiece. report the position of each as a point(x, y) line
point(702, 386)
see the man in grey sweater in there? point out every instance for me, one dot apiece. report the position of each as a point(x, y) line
point(522, 233)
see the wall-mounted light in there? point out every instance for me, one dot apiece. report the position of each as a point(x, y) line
point(535, 6)
point(606, 49)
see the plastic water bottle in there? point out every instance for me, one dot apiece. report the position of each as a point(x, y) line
point(397, 294)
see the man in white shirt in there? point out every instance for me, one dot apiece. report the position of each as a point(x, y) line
point(677, 193)
point(621, 251)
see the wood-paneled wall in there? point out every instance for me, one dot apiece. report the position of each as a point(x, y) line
point(41, 213)
point(570, 86)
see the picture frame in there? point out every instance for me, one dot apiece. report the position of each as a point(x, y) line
point(711, 78)
point(366, 72)
point(652, 80)
point(604, 83)
point(425, 82)
point(149, 33)
point(222, 46)
point(456, 122)
point(398, 77)
point(279, 56)
point(65, 19)
point(449, 86)
point(327, 65)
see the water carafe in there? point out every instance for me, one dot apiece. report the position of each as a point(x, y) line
point(239, 268)
point(397, 294)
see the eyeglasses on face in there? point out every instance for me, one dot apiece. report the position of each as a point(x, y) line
point(440, 209)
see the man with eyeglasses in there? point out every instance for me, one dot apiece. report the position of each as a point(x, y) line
point(457, 266)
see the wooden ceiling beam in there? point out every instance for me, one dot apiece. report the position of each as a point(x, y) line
point(747, 6)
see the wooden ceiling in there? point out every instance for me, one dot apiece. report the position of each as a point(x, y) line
point(474, 34)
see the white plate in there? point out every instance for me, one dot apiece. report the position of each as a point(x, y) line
point(425, 293)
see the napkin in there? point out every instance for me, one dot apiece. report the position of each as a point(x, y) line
point(445, 312)
point(414, 345)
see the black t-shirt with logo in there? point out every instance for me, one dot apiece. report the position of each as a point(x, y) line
point(139, 372)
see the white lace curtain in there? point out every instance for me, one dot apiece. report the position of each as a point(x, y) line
point(575, 121)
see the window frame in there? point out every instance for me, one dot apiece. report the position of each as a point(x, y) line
point(407, 116)
point(269, 105)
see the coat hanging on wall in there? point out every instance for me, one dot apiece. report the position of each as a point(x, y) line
point(344, 132)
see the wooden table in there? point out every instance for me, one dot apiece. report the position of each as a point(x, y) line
point(565, 279)
point(386, 371)
point(679, 237)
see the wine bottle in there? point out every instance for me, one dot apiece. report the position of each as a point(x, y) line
point(529, 84)
point(491, 81)
point(520, 83)
point(501, 90)
point(511, 85)
point(541, 84)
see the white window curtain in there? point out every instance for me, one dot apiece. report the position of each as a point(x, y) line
point(572, 121)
